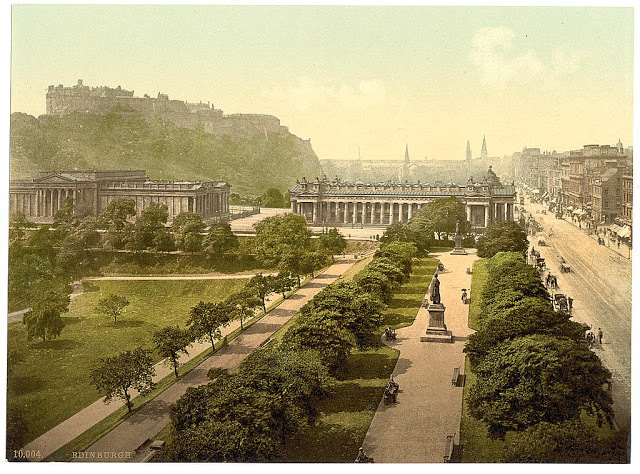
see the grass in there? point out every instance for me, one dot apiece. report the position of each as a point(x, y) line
point(52, 381)
point(345, 415)
point(478, 280)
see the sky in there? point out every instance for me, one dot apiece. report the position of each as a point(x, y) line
point(353, 78)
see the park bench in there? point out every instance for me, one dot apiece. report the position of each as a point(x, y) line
point(448, 448)
point(456, 377)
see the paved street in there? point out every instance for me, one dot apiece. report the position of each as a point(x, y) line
point(153, 417)
point(600, 284)
point(428, 407)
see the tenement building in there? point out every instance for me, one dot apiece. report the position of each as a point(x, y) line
point(339, 203)
point(92, 191)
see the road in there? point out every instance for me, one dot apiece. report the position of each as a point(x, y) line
point(600, 284)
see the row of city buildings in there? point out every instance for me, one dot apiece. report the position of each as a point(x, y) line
point(593, 184)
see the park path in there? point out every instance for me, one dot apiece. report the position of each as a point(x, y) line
point(154, 416)
point(428, 407)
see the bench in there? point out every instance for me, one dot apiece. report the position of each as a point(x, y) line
point(448, 448)
point(456, 376)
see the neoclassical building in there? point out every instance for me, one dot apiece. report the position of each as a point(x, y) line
point(40, 198)
point(339, 203)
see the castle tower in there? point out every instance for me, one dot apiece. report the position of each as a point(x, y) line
point(620, 147)
point(483, 153)
point(468, 150)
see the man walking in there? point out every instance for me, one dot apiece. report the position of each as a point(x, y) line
point(599, 336)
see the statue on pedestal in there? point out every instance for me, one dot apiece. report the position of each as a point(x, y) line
point(434, 290)
point(458, 249)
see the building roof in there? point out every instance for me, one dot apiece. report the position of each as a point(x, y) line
point(610, 173)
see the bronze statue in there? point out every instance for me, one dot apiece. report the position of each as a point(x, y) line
point(434, 291)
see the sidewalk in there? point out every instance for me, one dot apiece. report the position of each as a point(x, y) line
point(154, 416)
point(428, 407)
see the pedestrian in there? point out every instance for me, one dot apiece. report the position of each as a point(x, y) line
point(599, 336)
point(570, 301)
point(618, 243)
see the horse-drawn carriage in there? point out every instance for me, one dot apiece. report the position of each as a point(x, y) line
point(564, 268)
point(540, 264)
point(542, 242)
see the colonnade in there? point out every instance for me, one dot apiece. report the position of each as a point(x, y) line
point(40, 202)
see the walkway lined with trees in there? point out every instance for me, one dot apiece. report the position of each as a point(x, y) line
point(428, 407)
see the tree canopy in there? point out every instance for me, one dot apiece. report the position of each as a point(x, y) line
point(505, 236)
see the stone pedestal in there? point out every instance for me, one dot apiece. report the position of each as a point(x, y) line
point(437, 329)
point(458, 249)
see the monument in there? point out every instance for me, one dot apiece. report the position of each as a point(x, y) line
point(437, 329)
point(458, 249)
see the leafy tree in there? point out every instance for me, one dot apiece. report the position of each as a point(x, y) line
point(527, 316)
point(112, 305)
point(566, 442)
point(416, 232)
point(282, 283)
point(441, 216)
point(321, 332)
point(17, 224)
point(245, 302)
point(260, 286)
point(114, 218)
point(44, 318)
point(332, 243)
point(206, 319)
point(375, 282)
point(220, 240)
point(148, 227)
point(275, 236)
point(310, 262)
point(392, 270)
point(402, 253)
point(503, 236)
point(171, 341)
point(273, 198)
point(187, 229)
point(116, 376)
point(293, 261)
point(537, 378)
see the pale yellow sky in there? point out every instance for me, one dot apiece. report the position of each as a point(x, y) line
point(350, 77)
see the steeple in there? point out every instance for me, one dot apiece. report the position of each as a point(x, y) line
point(406, 155)
point(404, 173)
point(483, 153)
point(468, 150)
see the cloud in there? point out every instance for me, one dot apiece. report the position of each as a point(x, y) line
point(308, 94)
point(494, 54)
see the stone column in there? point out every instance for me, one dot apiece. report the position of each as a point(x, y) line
point(468, 209)
point(390, 213)
point(373, 213)
point(354, 213)
point(410, 213)
point(487, 218)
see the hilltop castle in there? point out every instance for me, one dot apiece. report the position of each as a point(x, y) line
point(101, 100)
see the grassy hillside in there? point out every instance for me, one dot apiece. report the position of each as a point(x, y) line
point(127, 141)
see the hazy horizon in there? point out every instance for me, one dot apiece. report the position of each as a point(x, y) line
point(373, 78)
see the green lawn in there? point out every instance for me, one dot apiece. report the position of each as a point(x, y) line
point(52, 382)
point(345, 415)
point(478, 280)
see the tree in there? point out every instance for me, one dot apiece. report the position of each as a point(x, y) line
point(206, 319)
point(417, 232)
point(503, 236)
point(537, 378)
point(312, 261)
point(220, 240)
point(244, 302)
point(332, 243)
point(275, 236)
point(527, 316)
point(149, 227)
point(566, 442)
point(273, 198)
point(116, 376)
point(442, 215)
point(187, 228)
point(375, 282)
point(44, 318)
point(260, 286)
point(402, 253)
point(171, 341)
point(114, 219)
point(112, 305)
point(282, 283)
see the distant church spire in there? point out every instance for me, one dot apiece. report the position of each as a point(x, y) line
point(483, 153)
point(406, 155)
point(468, 150)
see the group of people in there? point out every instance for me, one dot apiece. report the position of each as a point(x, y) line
point(390, 334)
point(391, 392)
point(592, 338)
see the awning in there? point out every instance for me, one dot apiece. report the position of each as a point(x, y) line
point(579, 212)
point(624, 232)
point(615, 228)
point(536, 191)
